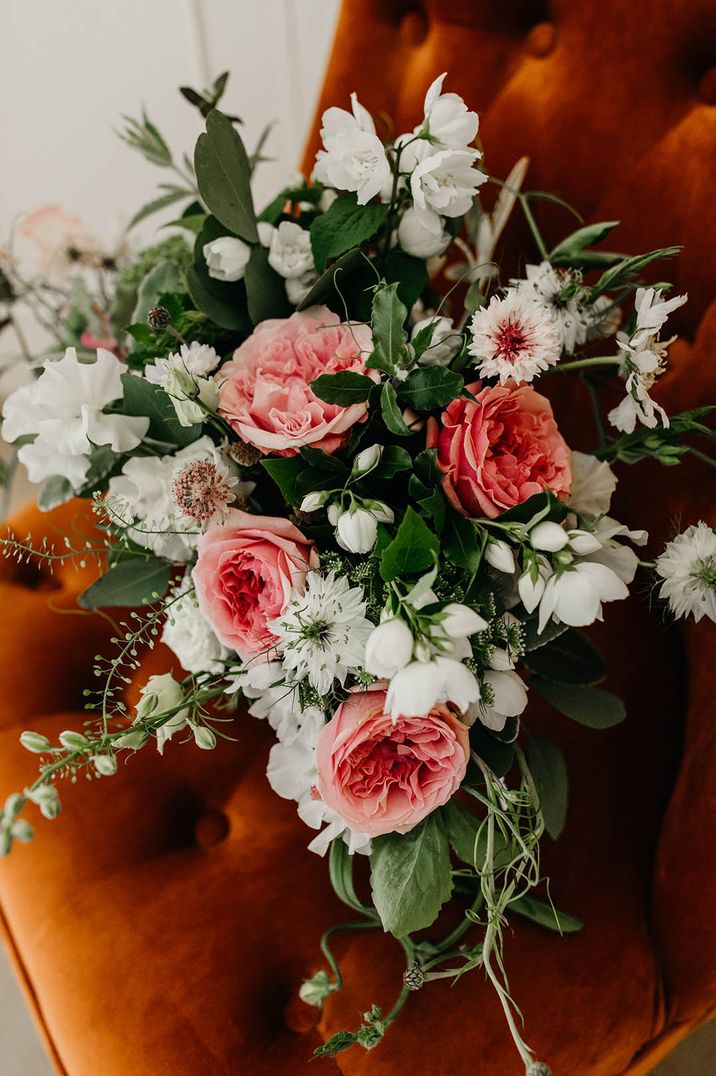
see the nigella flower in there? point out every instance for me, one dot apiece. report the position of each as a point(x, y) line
point(558, 291)
point(203, 490)
point(323, 631)
point(514, 338)
point(688, 568)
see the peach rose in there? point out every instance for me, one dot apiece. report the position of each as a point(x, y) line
point(499, 449)
point(385, 777)
point(246, 569)
point(264, 391)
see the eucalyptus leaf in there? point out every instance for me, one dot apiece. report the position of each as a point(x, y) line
point(128, 583)
point(568, 659)
point(411, 877)
point(223, 173)
point(161, 202)
point(549, 773)
point(590, 706)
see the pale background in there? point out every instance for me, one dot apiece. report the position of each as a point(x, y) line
point(68, 70)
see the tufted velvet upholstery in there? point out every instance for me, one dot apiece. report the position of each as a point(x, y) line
point(163, 927)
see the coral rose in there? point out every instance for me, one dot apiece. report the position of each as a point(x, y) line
point(264, 391)
point(499, 449)
point(383, 776)
point(244, 575)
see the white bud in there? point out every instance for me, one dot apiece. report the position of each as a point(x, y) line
point(389, 648)
point(334, 512)
point(204, 737)
point(265, 230)
point(356, 530)
point(73, 741)
point(530, 591)
point(47, 799)
point(226, 258)
point(381, 511)
point(160, 693)
point(500, 556)
point(367, 459)
point(33, 741)
point(583, 543)
point(415, 238)
point(548, 537)
point(459, 621)
point(22, 831)
point(105, 764)
point(423, 651)
point(313, 501)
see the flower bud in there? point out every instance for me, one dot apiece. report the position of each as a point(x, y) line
point(204, 737)
point(313, 501)
point(105, 764)
point(159, 319)
point(548, 537)
point(389, 648)
point(5, 841)
point(381, 511)
point(47, 799)
point(33, 741)
point(423, 651)
point(500, 556)
point(413, 976)
point(160, 693)
point(226, 258)
point(73, 741)
point(415, 238)
point(334, 513)
point(459, 621)
point(530, 590)
point(14, 804)
point(367, 459)
point(536, 1068)
point(22, 831)
point(356, 530)
point(583, 543)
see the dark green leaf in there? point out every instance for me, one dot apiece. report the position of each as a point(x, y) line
point(433, 387)
point(462, 830)
point(409, 273)
point(393, 460)
point(345, 225)
point(462, 545)
point(344, 388)
point(152, 402)
point(340, 865)
point(388, 324)
point(543, 505)
point(568, 659)
point(590, 706)
point(498, 755)
point(333, 279)
point(411, 877)
point(533, 640)
point(265, 289)
point(129, 583)
point(226, 314)
point(285, 472)
point(413, 549)
point(223, 173)
point(549, 773)
point(627, 268)
point(392, 415)
point(322, 461)
point(545, 915)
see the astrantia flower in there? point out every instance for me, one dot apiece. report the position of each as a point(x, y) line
point(203, 490)
point(323, 631)
point(514, 338)
point(688, 568)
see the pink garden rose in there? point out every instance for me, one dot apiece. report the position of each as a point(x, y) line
point(264, 391)
point(499, 449)
point(385, 777)
point(246, 569)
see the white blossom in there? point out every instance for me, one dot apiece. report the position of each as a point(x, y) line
point(198, 360)
point(226, 258)
point(297, 288)
point(688, 568)
point(506, 696)
point(353, 157)
point(421, 685)
point(652, 312)
point(513, 338)
point(389, 648)
point(158, 695)
point(416, 239)
point(290, 252)
point(593, 483)
point(444, 185)
point(500, 556)
point(357, 527)
point(189, 635)
point(548, 537)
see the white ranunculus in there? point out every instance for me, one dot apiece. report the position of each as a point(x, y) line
point(421, 685)
point(510, 698)
point(353, 157)
point(226, 258)
point(414, 238)
point(445, 341)
point(593, 483)
point(444, 185)
point(500, 556)
point(159, 694)
point(290, 251)
point(389, 648)
point(64, 410)
point(548, 537)
point(297, 288)
point(190, 636)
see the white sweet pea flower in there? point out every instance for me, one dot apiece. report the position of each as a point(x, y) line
point(508, 696)
point(353, 158)
point(593, 483)
point(414, 238)
point(226, 258)
point(445, 341)
point(389, 648)
point(617, 556)
point(499, 554)
point(421, 685)
point(444, 185)
point(574, 596)
point(64, 410)
point(290, 251)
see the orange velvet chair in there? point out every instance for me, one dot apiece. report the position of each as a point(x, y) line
point(163, 923)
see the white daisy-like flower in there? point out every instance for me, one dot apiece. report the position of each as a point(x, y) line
point(514, 338)
point(688, 568)
point(323, 631)
point(550, 288)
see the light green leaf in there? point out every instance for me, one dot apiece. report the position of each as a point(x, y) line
point(55, 490)
point(164, 277)
point(340, 865)
point(590, 706)
point(411, 877)
point(223, 173)
point(129, 583)
point(545, 915)
point(584, 237)
point(163, 200)
point(549, 773)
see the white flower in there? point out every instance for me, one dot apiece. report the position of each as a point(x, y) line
point(198, 360)
point(416, 239)
point(447, 119)
point(367, 460)
point(506, 696)
point(545, 285)
point(298, 288)
point(182, 375)
point(290, 251)
point(574, 596)
point(499, 554)
point(548, 537)
point(389, 648)
point(652, 312)
point(64, 410)
point(444, 344)
point(460, 621)
point(622, 560)
point(514, 338)
point(144, 493)
point(688, 568)
point(323, 631)
point(357, 528)
point(593, 483)
point(421, 685)
point(189, 635)
point(226, 258)
point(444, 185)
point(531, 584)
point(159, 694)
point(353, 158)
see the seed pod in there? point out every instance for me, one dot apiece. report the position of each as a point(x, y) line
point(159, 319)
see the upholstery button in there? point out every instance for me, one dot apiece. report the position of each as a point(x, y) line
point(707, 87)
point(541, 38)
point(211, 828)
point(300, 1017)
point(413, 27)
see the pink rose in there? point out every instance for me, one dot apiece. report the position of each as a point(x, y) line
point(385, 777)
point(499, 449)
point(246, 569)
point(264, 391)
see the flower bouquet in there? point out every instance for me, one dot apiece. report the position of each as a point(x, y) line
point(324, 477)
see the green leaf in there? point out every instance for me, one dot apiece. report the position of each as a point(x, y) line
point(340, 865)
point(584, 237)
point(545, 915)
point(152, 402)
point(285, 472)
point(344, 388)
point(224, 313)
point(498, 755)
point(393, 460)
point(223, 173)
point(392, 415)
point(389, 336)
point(533, 639)
point(413, 549)
point(55, 490)
point(409, 273)
point(163, 200)
point(265, 289)
point(568, 659)
point(411, 877)
point(538, 507)
point(628, 267)
point(549, 773)
point(345, 225)
point(461, 543)
point(463, 830)
point(129, 583)
point(164, 277)
point(333, 279)
point(425, 390)
point(590, 706)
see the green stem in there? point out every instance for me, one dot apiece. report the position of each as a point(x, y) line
point(583, 364)
point(328, 953)
point(702, 456)
point(533, 227)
